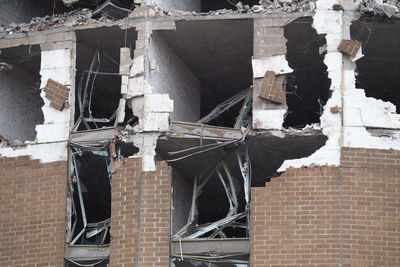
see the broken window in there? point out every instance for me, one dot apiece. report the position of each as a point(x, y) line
point(94, 157)
point(307, 88)
point(90, 186)
point(200, 78)
point(211, 180)
point(212, 204)
point(20, 101)
point(98, 77)
point(378, 71)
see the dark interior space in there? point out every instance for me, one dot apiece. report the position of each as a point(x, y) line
point(307, 88)
point(378, 72)
point(193, 263)
point(93, 172)
point(266, 153)
point(104, 84)
point(93, 263)
point(20, 96)
point(210, 5)
point(218, 52)
point(93, 4)
point(19, 11)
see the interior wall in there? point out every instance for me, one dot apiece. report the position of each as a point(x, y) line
point(187, 5)
point(182, 199)
point(173, 77)
point(219, 53)
point(108, 41)
point(20, 104)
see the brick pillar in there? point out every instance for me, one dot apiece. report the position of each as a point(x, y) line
point(141, 216)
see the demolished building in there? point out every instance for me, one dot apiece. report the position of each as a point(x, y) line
point(199, 133)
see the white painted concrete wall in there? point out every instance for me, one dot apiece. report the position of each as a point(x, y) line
point(20, 104)
point(57, 65)
point(186, 5)
point(171, 76)
point(348, 127)
point(51, 139)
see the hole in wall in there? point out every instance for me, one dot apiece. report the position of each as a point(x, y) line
point(91, 189)
point(307, 88)
point(91, 263)
point(20, 101)
point(100, 48)
point(202, 64)
point(266, 153)
point(378, 72)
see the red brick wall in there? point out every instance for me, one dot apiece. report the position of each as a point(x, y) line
point(32, 212)
point(141, 235)
point(371, 207)
point(346, 215)
point(295, 219)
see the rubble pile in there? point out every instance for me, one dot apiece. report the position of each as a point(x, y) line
point(70, 19)
point(381, 8)
point(274, 6)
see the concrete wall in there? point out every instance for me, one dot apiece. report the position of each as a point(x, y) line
point(32, 221)
point(171, 76)
point(182, 192)
point(187, 5)
point(330, 216)
point(20, 104)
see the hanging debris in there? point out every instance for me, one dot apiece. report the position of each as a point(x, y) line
point(235, 217)
point(56, 93)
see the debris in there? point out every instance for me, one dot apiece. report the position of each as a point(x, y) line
point(222, 172)
point(336, 109)
point(111, 10)
point(3, 141)
point(56, 93)
point(272, 89)
point(17, 143)
point(349, 47)
point(73, 18)
point(5, 66)
point(337, 7)
point(389, 8)
point(117, 164)
point(70, 2)
point(227, 104)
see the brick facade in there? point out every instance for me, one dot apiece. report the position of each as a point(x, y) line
point(32, 212)
point(141, 235)
point(347, 215)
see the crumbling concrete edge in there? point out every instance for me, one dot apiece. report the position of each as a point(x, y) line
point(347, 127)
point(51, 138)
